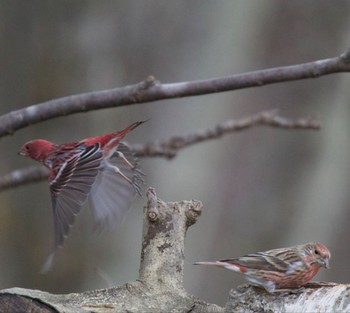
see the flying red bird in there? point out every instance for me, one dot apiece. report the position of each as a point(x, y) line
point(100, 168)
point(283, 268)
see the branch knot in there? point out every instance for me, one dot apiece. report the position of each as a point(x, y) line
point(153, 216)
point(149, 82)
point(193, 212)
point(152, 205)
point(346, 56)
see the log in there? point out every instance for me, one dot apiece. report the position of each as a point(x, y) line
point(159, 287)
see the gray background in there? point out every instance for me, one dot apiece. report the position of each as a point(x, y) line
point(263, 188)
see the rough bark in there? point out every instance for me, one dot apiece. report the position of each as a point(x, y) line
point(314, 297)
point(160, 284)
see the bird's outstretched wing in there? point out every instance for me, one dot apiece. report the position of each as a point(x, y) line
point(115, 187)
point(69, 189)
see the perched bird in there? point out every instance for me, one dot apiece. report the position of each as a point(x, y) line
point(101, 168)
point(283, 268)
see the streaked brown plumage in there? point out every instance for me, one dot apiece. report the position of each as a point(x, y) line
point(282, 268)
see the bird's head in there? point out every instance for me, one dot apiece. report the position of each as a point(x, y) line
point(320, 254)
point(37, 149)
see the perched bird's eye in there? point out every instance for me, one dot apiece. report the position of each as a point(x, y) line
point(316, 252)
point(27, 148)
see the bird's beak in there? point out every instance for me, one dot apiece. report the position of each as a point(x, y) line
point(22, 153)
point(325, 263)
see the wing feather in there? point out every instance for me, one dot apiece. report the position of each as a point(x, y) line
point(261, 261)
point(70, 188)
point(111, 194)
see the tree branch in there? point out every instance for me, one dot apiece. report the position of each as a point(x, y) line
point(23, 176)
point(313, 297)
point(160, 284)
point(152, 90)
point(169, 148)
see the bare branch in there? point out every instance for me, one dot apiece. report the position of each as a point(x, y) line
point(313, 297)
point(169, 148)
point(153, 90)
point(159, 287)
point(23, 176)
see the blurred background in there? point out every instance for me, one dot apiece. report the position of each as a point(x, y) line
point(262, 188)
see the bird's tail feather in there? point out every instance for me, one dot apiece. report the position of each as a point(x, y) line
point(217, 263)
point(128, 129)
point(48, 263)
point(229, 266)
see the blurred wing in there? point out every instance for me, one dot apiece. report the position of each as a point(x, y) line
point(70, 188)
point(112, 194)
point(261, 261)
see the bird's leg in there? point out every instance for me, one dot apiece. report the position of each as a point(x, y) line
point(118, 171)
point(268, 285)
point(132, 183)
point(136, 179)
point(121, 155)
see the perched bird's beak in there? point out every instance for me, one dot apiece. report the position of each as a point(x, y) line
point(21, 153)
point(324, 263)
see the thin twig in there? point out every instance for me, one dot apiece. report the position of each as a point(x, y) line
point(169, 148)
point(152, 90)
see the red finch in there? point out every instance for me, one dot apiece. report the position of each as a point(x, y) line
point(99, 167)
point(282, 268)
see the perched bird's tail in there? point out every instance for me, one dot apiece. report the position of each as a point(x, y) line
point(217, 263)
point(227, 265)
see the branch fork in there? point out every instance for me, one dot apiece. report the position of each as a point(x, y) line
point(159, 287)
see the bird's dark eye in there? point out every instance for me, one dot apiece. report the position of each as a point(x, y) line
point(317, 252)
point(27, 148)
